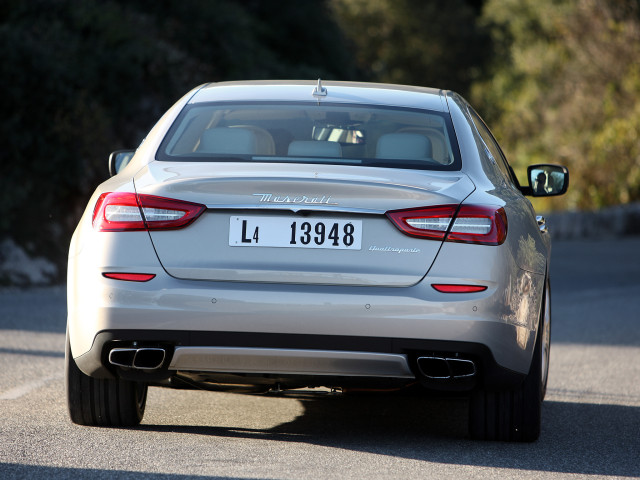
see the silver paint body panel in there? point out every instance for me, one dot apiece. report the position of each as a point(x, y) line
point(358, 193)
point(383, 294)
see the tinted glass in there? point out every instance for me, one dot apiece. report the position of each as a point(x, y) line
point(493, 149)
point(313, 133)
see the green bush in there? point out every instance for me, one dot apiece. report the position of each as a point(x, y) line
point(81, 79)
point(565, 88)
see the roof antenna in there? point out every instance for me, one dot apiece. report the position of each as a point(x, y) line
point(319, 90)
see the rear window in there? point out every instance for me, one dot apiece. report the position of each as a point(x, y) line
point(312, 133)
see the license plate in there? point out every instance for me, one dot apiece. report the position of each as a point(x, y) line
point(295, 232)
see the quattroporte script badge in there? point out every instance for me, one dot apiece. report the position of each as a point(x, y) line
point(374, 248)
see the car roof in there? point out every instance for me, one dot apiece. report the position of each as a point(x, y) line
point(337, 92)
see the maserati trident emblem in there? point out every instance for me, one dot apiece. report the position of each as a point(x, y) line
point(295, 199)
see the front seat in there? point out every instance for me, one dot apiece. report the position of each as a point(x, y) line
point(404, 146)
point(239, 141)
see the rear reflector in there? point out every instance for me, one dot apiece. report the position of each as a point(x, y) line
point(480, 224)
point(446, 288)
point(124, 211)
point(130, 277)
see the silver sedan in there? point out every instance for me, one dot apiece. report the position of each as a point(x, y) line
point(279, 235)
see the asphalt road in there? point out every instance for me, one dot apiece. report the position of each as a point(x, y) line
point(591, 418)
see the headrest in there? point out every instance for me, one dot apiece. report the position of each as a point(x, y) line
point(314, 148)
point(228, 140)
point(404, 146)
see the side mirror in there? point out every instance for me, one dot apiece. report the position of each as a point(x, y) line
point(118, 160)
point(547, 180)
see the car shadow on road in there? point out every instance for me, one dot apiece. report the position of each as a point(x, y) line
point(577, 438)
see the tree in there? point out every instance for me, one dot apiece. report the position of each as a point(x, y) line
point(565, 88)
point(81, 79)
point(436, 43)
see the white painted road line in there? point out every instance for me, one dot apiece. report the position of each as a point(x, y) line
point(28, 387)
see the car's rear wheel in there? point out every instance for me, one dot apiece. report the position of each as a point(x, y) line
point(515, 415)
point(103, 402)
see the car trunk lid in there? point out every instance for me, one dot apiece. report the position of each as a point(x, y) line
point(298, 223)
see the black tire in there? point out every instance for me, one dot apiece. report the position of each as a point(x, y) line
point(514, 415)
point(102, 402)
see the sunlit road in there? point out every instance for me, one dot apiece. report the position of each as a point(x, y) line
point(591, 418)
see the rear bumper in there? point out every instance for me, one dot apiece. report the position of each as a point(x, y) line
point(315, 360)
point(336, 331)
point(197, 313)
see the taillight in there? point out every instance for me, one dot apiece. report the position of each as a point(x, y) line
point(479, 224)
point(485, 225)
point(429, 222)
point(123, 211)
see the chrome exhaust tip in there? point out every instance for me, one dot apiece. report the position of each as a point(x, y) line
point(433, 367)
point(145, 358)
point(444, 368)
point(461, 368)
point(122, 357)
point(149, 358)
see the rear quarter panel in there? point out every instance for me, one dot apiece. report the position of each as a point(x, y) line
point(524, 256)
point(91, 253)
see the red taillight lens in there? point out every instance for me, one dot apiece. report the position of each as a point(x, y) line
point(429, 222)
point(116, 212)
point(479, 224)
point(130, 277)
point(454, 288)
point(119, 211)
point(165, 213)
point(485, 225)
